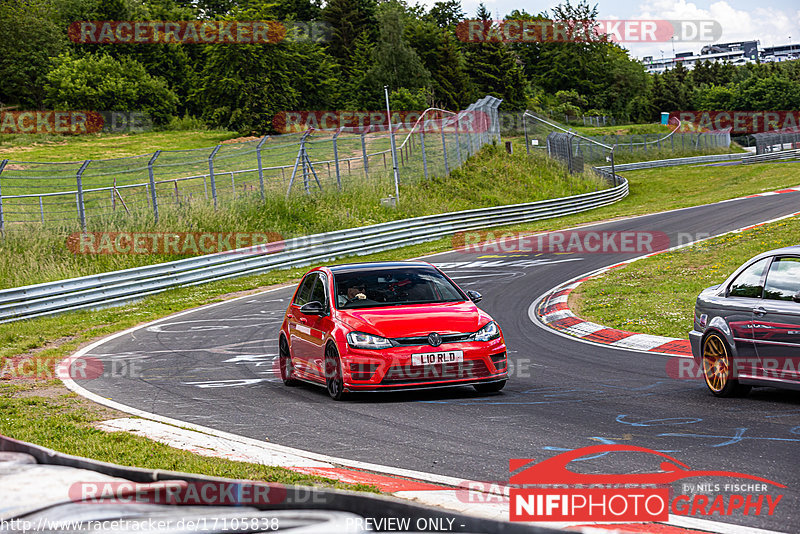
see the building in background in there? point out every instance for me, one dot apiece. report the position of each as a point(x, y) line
point(738, 53)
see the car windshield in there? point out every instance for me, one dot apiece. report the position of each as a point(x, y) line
point(393, 286)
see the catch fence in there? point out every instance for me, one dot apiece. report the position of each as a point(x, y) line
point(83, 192)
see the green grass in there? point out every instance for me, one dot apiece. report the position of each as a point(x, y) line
point(58, 148)
point(622, 129)
point(63, 421)
point(656, 295)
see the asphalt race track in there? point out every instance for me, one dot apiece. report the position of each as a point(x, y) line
point(215, 367)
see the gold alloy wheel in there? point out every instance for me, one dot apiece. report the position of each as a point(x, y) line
point(716, 363)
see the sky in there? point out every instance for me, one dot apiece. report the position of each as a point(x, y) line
point(771, 22)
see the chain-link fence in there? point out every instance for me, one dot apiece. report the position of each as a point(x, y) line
point(59, 193)
point(538, 132)
point(767, 142)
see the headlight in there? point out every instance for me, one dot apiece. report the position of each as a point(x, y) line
point(487, 333)
point(359, 340)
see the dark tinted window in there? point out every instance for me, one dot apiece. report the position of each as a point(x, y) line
point(748, 283)
point(303, 294)
point(393, 286)
point(318, 293)
point(783, 280)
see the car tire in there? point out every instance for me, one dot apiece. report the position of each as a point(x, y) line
point(717, 368)
point(491, 387)
point(286, 366)
point(334, 380)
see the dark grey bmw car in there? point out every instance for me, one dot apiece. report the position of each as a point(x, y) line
point(747, 329)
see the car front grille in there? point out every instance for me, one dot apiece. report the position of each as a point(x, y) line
point(405, 374)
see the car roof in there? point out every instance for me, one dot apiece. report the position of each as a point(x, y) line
point(794, 249)
point(378, 265)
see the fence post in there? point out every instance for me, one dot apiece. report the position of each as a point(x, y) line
point(2, 220)
point(364, 155)
point(613, 171)
point(211, 174)
point(153, 182)
point(260, 167)
point(444, 150)
point(81, 206)
point(458, 141)
point(424, 155)
point(336, 158)
point(525, 129)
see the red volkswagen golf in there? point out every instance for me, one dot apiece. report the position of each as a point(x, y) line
point(384, 326)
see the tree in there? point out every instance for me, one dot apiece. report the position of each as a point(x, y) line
point(442, 57)
point(396, 64)
point(494, 68)
point(446, 14)
point(772, 93)
point(31, 36)
point(348, 19)
point(102, 83)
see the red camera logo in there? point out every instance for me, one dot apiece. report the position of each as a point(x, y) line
point(644, 497)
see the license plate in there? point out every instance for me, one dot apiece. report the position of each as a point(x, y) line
point(432, 358)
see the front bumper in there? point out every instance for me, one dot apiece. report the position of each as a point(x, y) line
point(392, 368)
point(696, 341)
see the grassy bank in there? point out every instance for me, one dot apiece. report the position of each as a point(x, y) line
point(657, 295)
point(490, 178)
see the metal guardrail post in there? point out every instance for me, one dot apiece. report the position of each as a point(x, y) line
point(364, 155)
point(79, 195)
point(336, 158)
point(153, 183)
point(211, 174)
point(424, 155)
point(260, 167)
point(2, 219)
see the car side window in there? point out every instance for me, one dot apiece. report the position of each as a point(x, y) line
point(749, 282)
point(304, 293)
point(783, 280)
point(318, 293)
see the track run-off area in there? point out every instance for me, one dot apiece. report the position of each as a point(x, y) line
point(216, 367)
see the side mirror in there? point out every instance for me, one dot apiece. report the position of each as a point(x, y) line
point(474, 296)
point(314, 307)
point(796, 297)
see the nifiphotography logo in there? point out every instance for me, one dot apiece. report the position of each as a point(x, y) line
point(549, 491)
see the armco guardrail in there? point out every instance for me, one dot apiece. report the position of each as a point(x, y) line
point(699, 160)
point(772, 156)
point(130, 284)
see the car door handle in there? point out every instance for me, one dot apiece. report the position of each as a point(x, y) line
point(759, 311)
